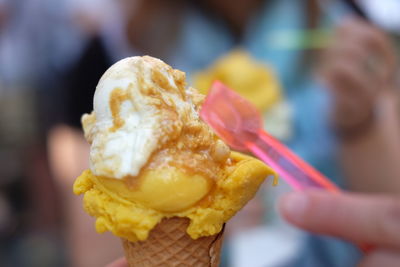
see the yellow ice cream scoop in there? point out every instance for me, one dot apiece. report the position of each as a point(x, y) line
point(165, 190)
point(131, 211)
point(253, 80)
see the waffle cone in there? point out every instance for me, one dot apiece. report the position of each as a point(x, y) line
point(169, 245)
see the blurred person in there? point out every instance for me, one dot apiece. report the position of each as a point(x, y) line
point(30, 232)
point(360, 68)
point(28, 215)
point(190, 35)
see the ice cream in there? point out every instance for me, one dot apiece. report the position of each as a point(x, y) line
point(252, 79)
point(153, 158)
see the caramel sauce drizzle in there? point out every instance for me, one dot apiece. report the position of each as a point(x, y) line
point(117, 97)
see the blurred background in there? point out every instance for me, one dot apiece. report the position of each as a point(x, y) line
point(324, 73)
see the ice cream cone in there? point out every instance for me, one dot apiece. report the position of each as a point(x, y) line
point(156, 167)
point(169, 245)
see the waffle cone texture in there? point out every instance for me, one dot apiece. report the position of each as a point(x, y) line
point(169, 245)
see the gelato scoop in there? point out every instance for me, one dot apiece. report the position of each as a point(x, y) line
point(152, 157)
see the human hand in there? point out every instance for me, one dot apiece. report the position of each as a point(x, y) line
point(357, 66)
point(361, 219)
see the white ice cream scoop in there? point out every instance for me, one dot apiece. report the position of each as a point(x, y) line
point(139, 105)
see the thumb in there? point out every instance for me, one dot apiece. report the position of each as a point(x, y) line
point(357, 218)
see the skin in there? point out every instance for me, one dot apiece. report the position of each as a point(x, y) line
point(353, 83)
point(358, 218)
point(359, 70)
point(236, 16)
point(369, 159)
point(151, 22)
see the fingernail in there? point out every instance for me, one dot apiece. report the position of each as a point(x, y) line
point(294, 205)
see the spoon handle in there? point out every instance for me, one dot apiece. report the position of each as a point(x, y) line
point(296, 172)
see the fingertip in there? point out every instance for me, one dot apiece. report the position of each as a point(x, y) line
point(293, 206)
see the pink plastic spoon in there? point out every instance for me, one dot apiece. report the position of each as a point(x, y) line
point(239, 124)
